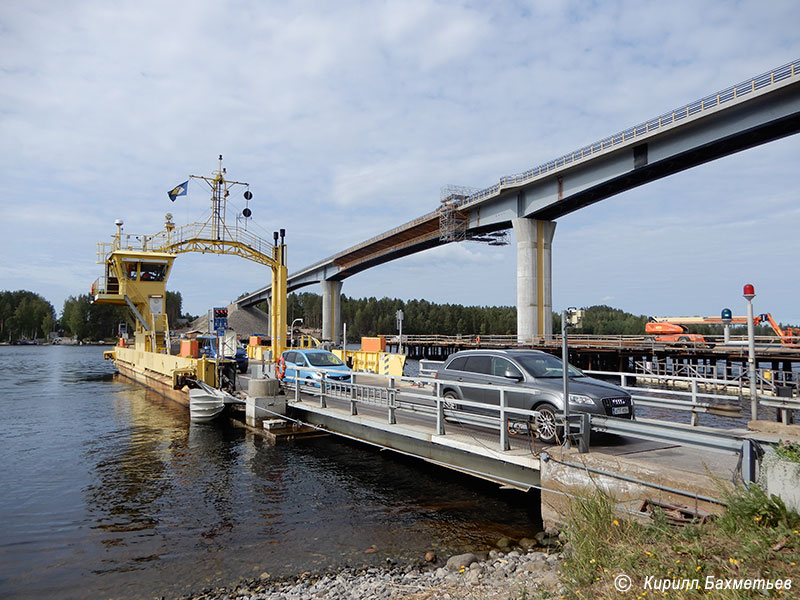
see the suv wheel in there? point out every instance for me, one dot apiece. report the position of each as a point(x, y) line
point(449, 396)
point(545, 423)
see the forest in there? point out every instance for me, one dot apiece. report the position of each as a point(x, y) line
point(371, 316)
point(26, 315)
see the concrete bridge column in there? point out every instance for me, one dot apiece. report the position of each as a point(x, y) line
point(332, 311)
point(534, 278)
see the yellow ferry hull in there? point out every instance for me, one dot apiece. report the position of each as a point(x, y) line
point(160, 372)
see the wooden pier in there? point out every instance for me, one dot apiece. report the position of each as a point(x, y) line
point(630, 354)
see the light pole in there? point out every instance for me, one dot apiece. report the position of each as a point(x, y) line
point(399, 315)
point(749, 294)
point(291, 332)
point(565, 372)
point(726, 320)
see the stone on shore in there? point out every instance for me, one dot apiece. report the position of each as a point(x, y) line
point(460, 561)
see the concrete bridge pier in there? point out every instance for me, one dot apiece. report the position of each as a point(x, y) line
point(332, 311)
point(534, 278)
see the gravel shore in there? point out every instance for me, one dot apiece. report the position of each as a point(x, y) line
point(518, 573)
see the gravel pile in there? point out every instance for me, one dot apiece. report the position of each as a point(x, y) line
point(501, 575)
point(244, 321)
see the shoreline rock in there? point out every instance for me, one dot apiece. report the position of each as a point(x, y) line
point(499, 576)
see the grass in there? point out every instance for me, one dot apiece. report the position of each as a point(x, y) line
point(789, 450)
point(756, 538)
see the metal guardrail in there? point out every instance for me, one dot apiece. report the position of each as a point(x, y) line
point(698, 401)
point(785, 404)
point(205, 231)
point(433, 404)
point(650, 396)
point(768, 380)
point(164, 240)
point(648, 127)
point(392, 399)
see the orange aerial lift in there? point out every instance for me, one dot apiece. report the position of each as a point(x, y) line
point(674, 330)
point(790, 336)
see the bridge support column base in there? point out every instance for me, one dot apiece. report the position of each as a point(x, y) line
point(534, 279)
point(332, 311)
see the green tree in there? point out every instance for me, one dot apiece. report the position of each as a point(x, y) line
point(24, 314)
point(174, 302)
point(85, 320)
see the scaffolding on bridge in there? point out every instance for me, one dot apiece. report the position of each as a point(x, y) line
point(453, 223)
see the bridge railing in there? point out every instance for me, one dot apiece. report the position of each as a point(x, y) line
point(507, 421)
point(732, 378)
point(424, 396)
point(716, 402)
point(708, 103)
point(208, 231)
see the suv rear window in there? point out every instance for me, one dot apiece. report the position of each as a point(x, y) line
point(458, 364)
point(479, 364)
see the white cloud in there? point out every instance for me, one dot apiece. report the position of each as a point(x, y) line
point(347, 119)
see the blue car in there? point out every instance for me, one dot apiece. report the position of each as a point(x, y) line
point(307, 364)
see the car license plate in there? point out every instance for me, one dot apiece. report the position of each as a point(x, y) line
point(621, 410)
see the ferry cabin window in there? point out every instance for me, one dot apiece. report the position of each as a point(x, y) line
point(153, 272)
point(130, 270)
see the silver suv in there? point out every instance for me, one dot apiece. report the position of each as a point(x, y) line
point(539, 377)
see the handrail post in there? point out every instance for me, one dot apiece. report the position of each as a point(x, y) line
point(749, 461)
point(504, 445)
point(353, 398)
point(322, 403)
point(585, 433)
point(439, 410)
point(392, 402)
point(296, 387)
point(694, 403)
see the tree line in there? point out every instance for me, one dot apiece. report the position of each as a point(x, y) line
point(372, 316)
point(26, 315)
point(605, 320)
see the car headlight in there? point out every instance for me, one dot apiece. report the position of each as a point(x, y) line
point(580, 399)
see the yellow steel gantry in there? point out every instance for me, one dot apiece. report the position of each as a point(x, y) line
point(138, 292)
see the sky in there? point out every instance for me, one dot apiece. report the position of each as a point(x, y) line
point(347, 118)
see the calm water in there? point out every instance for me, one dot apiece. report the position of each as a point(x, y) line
point(109, 491)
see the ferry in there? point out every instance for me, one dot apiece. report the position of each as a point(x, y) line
point(135, 273)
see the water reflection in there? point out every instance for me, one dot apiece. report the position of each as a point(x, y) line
point(111, 492)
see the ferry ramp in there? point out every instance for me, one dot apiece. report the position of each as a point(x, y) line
point(403, 415)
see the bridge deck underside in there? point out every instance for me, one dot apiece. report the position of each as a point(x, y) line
point(768, 115)
point(423, 232)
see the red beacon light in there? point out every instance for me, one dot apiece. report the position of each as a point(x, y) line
point(749, 291)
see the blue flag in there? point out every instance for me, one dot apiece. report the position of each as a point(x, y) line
point(178, 190)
